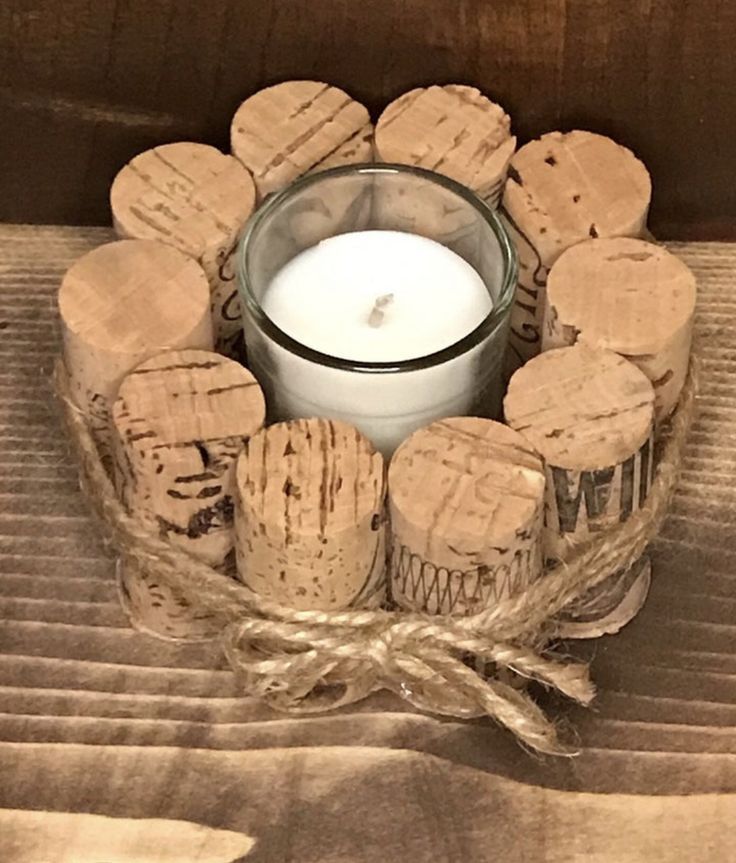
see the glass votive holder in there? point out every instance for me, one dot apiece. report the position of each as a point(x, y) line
point(433, 342)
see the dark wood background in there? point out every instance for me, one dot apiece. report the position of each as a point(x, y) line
point(85, 85)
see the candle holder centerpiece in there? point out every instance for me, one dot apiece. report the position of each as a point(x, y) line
point(378, 295)
point(376, 301)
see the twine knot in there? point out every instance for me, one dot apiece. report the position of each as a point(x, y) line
point(311, 667)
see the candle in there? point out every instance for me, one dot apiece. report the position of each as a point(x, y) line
point(380, 297)
point(368, 319)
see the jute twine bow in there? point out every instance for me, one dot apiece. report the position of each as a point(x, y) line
point(315, 660)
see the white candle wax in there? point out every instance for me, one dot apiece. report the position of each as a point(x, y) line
point(374, 296)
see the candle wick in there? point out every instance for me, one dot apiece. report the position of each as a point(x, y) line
point(375, 319)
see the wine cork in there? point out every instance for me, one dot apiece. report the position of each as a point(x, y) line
point(606, 608)
point(631, 297)
point(180, 422)
point(309, 525)
point(119, 305)
point(296, 127)
point(156, 609)
point(466, 502)
point(196, 199)
point(562, 189)
point(452, 129)
point(589, 413)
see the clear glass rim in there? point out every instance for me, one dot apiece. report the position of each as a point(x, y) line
point(494, 319)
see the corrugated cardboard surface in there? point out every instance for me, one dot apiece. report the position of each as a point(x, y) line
point(97, 718)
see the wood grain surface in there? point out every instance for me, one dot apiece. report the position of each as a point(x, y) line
point(85, 86)
point(96, 718)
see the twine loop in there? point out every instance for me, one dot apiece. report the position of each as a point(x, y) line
point(311, 661)
point(306, 668)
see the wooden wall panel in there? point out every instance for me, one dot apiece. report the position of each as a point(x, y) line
point(84, 86)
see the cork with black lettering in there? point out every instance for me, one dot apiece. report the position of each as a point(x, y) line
point(589, 412)
point(196, 199)
point(310, 517)
point(120, 304)
point(562, 189)
point(632, 297)
point(296, 127)
point(606, 608)
point(466, 499)
point(180, 422)
point(452, 129)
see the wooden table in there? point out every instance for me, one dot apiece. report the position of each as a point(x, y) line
point(96, 718)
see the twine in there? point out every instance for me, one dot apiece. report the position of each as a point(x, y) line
point(311, 661)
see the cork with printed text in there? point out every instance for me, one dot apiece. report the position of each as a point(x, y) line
point(590, 414)
point(466, 502)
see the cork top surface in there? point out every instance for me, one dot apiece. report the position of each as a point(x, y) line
point(189, 195)
point(467, 478)
point(582, 408)
point(452, 129)
point(567, 187)
point(131, 295)
point(311, 477)
point(291, 128)
point(180, 397)
point(623, 294)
